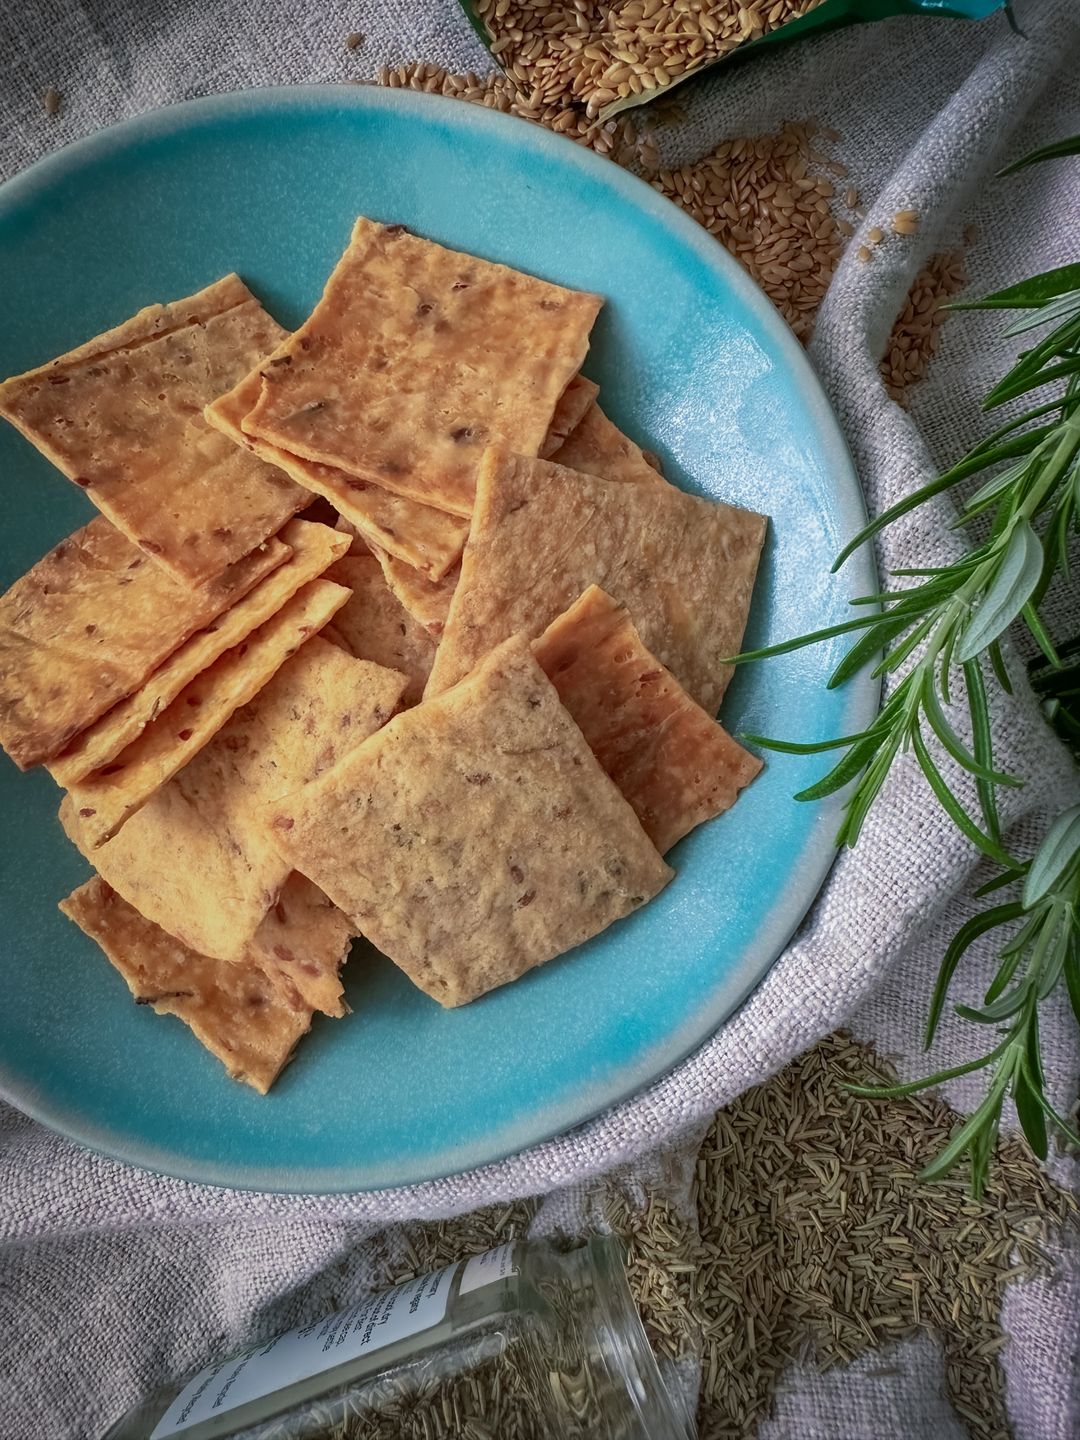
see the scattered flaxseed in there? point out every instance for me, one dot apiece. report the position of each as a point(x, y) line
point(604, 53)
point(497, 91)
point(767, 200)
point(915, 336)
point(51, 101)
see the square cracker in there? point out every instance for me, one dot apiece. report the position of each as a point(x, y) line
point(87, 624)
point(420, 535)
point(675, 764)
point(122, 416)
point(597, 447)
point(415, 359)
point(373, 625)
point(238, 1012)
point(542, 534)
point(426, 601)
point(573, 404)
point(197, 859)
point(314, 547)
point(302, 943)
point(474, 837)
point(110, 796)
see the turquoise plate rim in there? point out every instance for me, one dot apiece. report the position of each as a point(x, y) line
point(818, 854)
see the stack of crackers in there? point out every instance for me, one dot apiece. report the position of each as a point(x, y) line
point(464, 712)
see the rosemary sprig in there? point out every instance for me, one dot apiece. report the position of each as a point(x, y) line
point(942, 634)
point(1043, 950)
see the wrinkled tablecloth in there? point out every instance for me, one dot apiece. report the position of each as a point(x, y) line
point(112, 1280)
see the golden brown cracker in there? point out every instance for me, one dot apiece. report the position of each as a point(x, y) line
point(303, 941)
point(541, 534)
point(197, 859)
point(426, 601)
point(675, 765)
point(110, 796)
point(415, 359)
point(473, 837)
point(237, 1011)
point(122, 416)
point(597, 447)
point(373, 624)
point(314, 548)
point(570, 410)
point(88, 623)
point(419, 535)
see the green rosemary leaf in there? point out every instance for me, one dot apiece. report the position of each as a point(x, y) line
point(961, 942)
point(800, 642)
point(939, 1077)
point(1018, 572)
point(976, 460)
point(866, 792)
point(1062, 308)
point(1057, 343)
point(988, 493)
point(1057, 857)
point(1036, 290)
point(1014, 385)
point(1030, 1114)
point(1007, 877)
point(1054, 151)
point(806, 747)
point(846, 770)
point(997, 662)
point(1039, 634)
point(1072, 982)
point(982, 745)
point(1001, 1009)
point(949, 803)
point(939, 723)
point(866, 647)
point(988, 1114)
point(1058, 1120)
point(1006, 970)
point(896, 657)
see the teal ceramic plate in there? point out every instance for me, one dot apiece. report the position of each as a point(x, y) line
point(693, 362)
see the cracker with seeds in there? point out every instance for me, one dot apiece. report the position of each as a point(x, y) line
point(572, 407)
point(197, 858)
point(474, 837)
point(597, 447)
point(426, 601)
point(672, 761)
point(373, 625)
point(111, 795)
point(314, 548)
point(238, 1012)
point(541, 534)
point(419, 535)
point(302, 943)
point(88, 623)
point(415, 359)
point(122, 416)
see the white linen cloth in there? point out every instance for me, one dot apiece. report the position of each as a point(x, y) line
point(113, 1280)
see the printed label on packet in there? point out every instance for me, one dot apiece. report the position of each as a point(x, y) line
point(369, 1325)
point(487, 1268)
